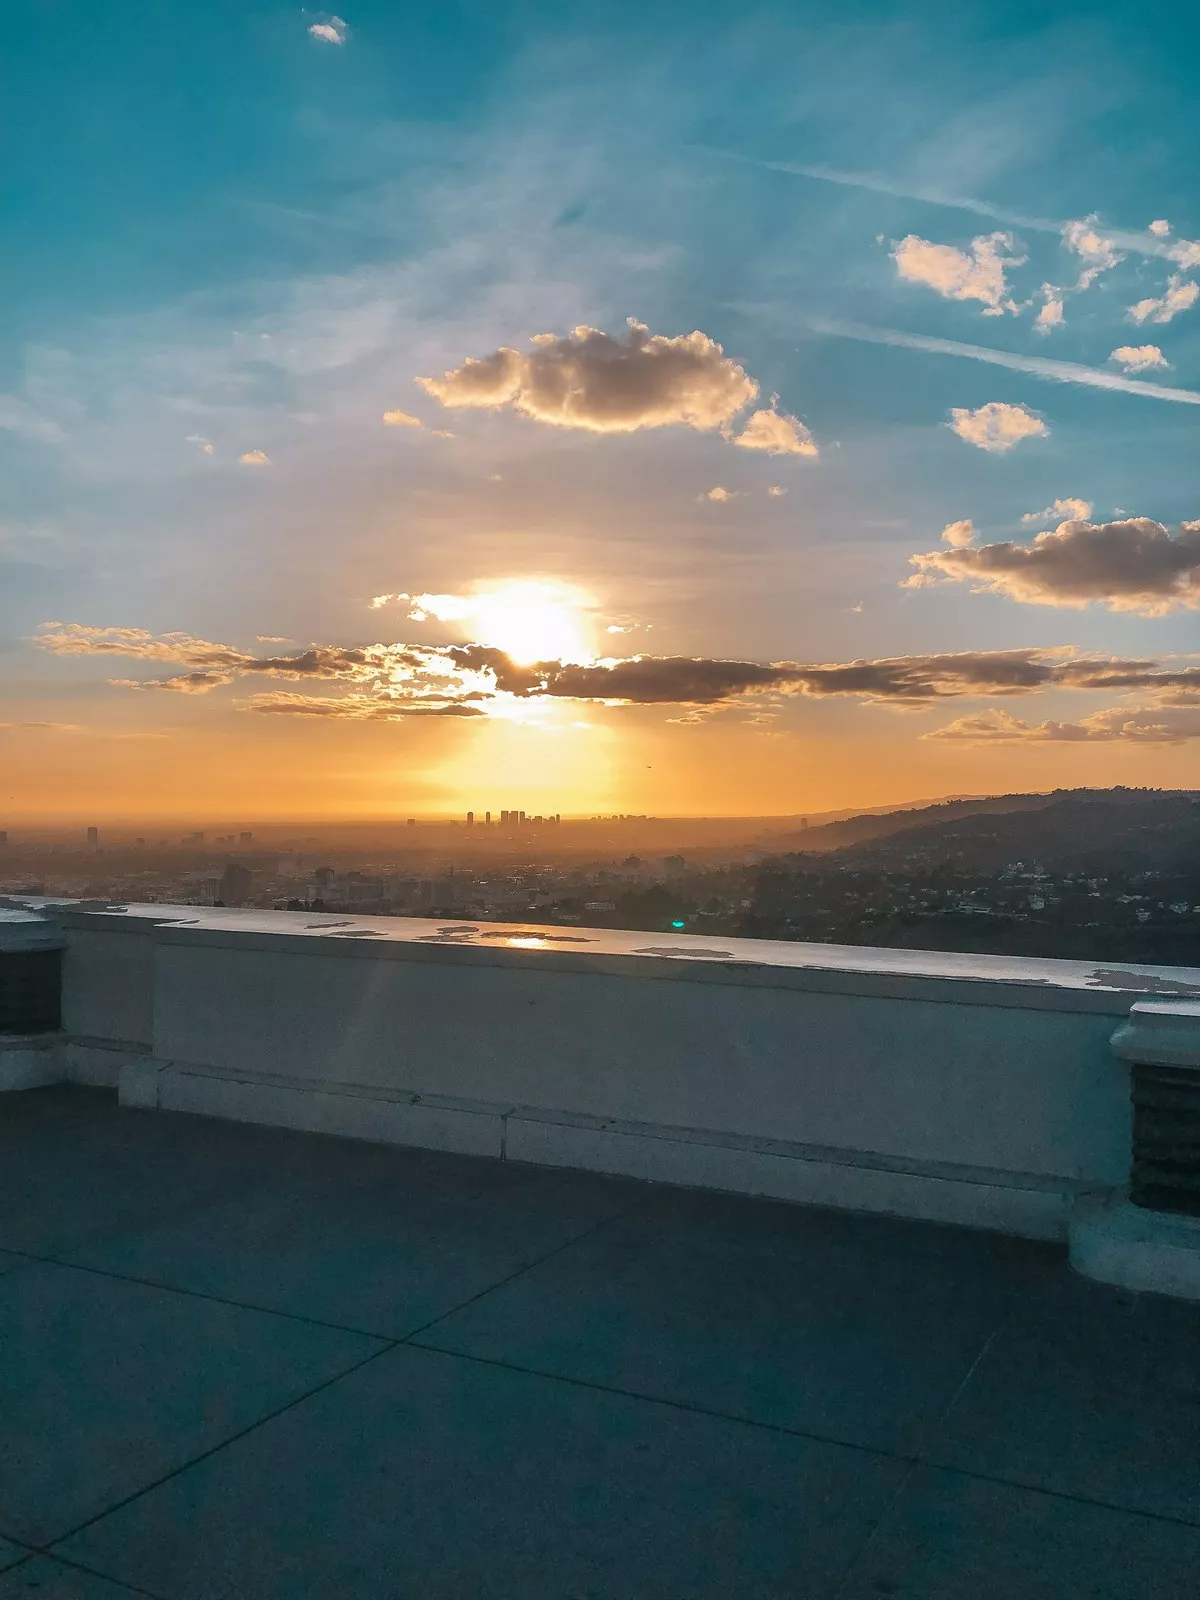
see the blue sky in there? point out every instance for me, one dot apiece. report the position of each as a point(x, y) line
point(236, 236)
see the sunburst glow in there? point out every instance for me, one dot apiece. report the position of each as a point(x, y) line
point(530, 619)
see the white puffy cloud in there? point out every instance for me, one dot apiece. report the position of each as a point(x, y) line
point(959, 534)
point(202, 444)
point(1098, 253)
point(719, 493)
point(401, 419)
point(332, 31)
point(1139, 357)
point(776, 491)
point(1134, 565)
point(1067, 509)
point(777, 433)
point(1180, 295)
point(1161, 228)
point(959, 275)
point(590, 380)
point(1051, 315)
point(255, 458)
point(997, 426)
point(1186, 253)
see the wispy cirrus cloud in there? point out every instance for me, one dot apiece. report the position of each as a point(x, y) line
point(1035, 366)
point(1117, 725)
point(1133, 565)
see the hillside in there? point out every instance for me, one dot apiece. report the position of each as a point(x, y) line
point(1123, 830)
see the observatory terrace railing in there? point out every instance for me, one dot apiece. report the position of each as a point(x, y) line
point(971, 1089)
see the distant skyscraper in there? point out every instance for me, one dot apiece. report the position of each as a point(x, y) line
point(487, 818)
point(236, 881)
point(3, 836)
point(246, 838)
point(93, 838)
point(470, 819)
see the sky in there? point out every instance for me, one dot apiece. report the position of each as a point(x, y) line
point(755, 409)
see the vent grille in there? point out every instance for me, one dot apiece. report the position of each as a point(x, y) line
point(30, 991)
point(1166, 1139)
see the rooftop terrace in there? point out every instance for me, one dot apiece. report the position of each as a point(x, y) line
point(246, 1361)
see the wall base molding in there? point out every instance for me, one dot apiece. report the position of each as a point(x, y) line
point(1026, 1205)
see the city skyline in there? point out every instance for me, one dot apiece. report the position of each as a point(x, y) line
point(762, 417)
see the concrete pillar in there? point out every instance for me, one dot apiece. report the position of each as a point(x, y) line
point(1147, 1236)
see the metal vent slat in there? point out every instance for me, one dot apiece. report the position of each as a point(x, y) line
point(30, 991)
point(1166, 1139)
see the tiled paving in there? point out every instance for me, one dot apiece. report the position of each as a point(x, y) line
point(241, 1362)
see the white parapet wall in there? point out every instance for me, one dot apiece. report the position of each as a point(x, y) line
point(970, 1089)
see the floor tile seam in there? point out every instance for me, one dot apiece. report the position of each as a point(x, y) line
point(907, 1459)
point(80, 1566)
point(222, 1444)
point(691, 1407)
point(853, 1566)
point(199, 1294)
point(890, 1503)
point(1097, 1504)
point(526, 1266)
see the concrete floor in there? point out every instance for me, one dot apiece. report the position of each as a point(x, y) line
point(242, 1362)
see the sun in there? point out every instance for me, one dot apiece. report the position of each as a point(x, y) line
point(530, 619)
point(533, 620)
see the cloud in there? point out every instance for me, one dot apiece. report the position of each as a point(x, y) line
point(1051, 315)
point(1139, 357)
point(1061, 510)
point(19, 417)
point(719, 493)
point(355, 707)
point(777, 433)
point(776, 491)
point(401, 419)
point(1119, 724)
point(331, 32)
point(255, 458)
point(1179, 295)
point(957, 275)
point(380, 600)
point(1098, 253)
point(997, 426)
point(202, 444)
point(386, 681)
point(959, 534)
point(1161, 228)
point(1186, 253)
point(589, 380)
point(1134, 565)
point(188, 683)
point(1036, 366)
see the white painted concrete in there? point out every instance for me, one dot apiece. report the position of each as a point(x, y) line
point(30, 1061)
point(1115, 1242)
point(964, 1088)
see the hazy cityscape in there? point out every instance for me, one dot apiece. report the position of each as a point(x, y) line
point(1088, 874)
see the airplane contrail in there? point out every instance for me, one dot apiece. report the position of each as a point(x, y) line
point(1036, 366)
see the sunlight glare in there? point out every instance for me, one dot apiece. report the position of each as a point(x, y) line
point(530, 619)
